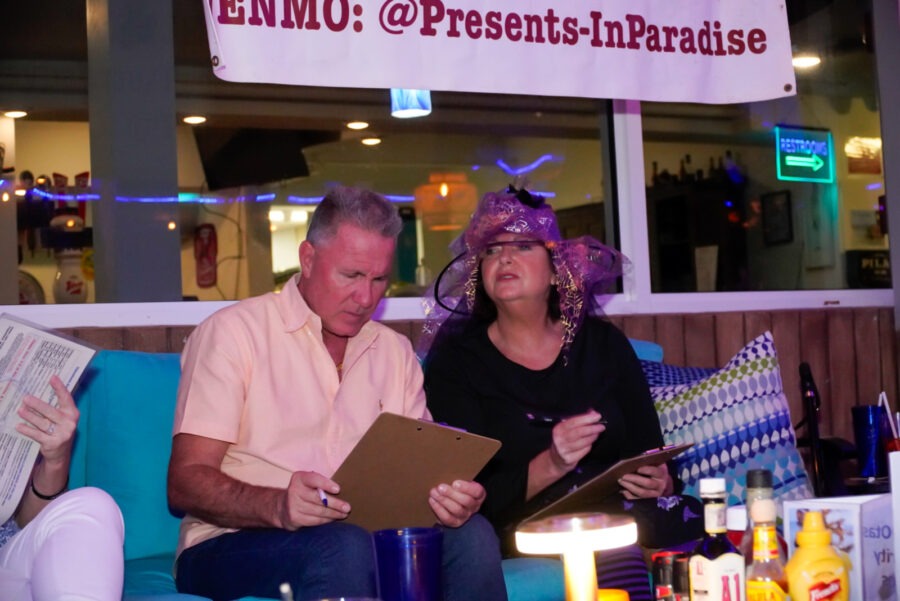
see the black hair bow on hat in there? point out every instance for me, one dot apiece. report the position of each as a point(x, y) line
point(525, 197)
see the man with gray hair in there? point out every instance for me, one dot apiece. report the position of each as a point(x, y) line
point(275, 392)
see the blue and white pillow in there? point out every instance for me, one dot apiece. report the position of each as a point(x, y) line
point(738, 419)
point(662, 374)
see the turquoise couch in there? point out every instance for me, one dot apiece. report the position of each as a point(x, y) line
point(127, 402)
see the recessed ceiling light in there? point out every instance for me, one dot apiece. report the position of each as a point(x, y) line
point(195, 119)
point(15, 114)
point(805, 61)
point(371, 141)
point(357, 125)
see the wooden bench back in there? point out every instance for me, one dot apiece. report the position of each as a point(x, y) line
point(852, 352)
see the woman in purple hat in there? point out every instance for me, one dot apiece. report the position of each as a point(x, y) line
point(517, 351)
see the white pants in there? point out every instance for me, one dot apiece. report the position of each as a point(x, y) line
point(72, 551)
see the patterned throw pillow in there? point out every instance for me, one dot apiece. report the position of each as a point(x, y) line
point(738, 419)
point(662, 374)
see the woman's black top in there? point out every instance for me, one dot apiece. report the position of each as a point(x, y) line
point(472, 385)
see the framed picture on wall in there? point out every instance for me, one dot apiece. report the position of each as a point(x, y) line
point(777, 221)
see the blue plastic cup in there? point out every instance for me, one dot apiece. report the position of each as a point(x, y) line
point(409, 564)
point(868, 433)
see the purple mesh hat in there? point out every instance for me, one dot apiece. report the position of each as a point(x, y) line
point(585, 267)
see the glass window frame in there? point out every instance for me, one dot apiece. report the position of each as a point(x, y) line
point(635, 299)
point(633, 234)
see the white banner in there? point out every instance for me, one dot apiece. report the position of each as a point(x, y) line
point(709, 51)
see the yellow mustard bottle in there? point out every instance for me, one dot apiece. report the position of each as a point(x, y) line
point(816, 571)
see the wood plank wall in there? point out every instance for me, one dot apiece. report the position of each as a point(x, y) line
point(852, 352)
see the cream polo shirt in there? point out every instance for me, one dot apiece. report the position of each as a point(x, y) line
point(258, 376)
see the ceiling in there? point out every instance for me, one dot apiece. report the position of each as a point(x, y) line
point(43, 60)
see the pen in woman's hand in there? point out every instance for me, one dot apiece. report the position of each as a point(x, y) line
point(537, 419)
point(322, 497)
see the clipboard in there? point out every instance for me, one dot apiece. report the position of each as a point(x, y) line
point(607, 483)
point(388, 474)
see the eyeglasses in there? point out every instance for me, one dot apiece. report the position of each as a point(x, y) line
point(494, 249)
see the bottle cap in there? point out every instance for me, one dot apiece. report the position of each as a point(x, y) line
point(712, 486)
point(759, 479)
point(736, 518)
point(814, 532)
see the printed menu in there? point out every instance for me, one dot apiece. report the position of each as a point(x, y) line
point(29, 356)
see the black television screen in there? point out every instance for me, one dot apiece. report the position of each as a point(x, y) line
point(235, 157)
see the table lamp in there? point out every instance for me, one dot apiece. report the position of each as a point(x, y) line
point(576, 536)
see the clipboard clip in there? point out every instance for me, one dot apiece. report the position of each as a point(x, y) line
point(442, 424)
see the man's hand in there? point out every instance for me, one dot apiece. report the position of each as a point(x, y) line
point(573, 438)
point(454, 505)
point(197, 486)
point(649, 481)
point(302, 505)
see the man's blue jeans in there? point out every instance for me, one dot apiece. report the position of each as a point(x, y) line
point(333, 560)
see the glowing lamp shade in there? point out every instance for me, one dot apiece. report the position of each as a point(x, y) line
point(446, 202)
point(406, 104)
point(576, 536)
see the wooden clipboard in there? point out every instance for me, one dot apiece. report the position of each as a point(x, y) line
point(388, 474)
point(603, 485)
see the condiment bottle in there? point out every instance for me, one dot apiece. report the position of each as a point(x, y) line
point(736, 523)
point(759, 489)
point(716, 567)
point(816, 571)
point(765, 574)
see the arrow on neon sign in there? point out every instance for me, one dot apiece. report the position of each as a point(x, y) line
point(814, 162)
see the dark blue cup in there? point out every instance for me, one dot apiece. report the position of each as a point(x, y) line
point(409, 564)
point(868, 433)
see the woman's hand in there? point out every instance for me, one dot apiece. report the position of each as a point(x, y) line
point(52, 427)
point(573, 438)
point(647, 482)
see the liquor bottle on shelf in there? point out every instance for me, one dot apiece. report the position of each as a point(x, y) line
point(766, 580)
point(716, 566)
point(689, 174)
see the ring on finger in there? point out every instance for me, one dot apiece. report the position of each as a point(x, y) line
point(51, 428)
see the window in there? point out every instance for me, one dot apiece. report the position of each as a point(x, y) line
point(778, 195)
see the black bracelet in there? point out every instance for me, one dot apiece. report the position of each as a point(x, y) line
point(49, 497)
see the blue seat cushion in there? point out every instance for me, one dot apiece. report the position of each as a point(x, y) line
point(534, 579)
point(125, 435)
point(646, 350)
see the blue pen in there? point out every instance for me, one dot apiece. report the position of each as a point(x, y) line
point(323, 497)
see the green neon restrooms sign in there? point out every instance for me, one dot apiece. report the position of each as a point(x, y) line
point(804, 155)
